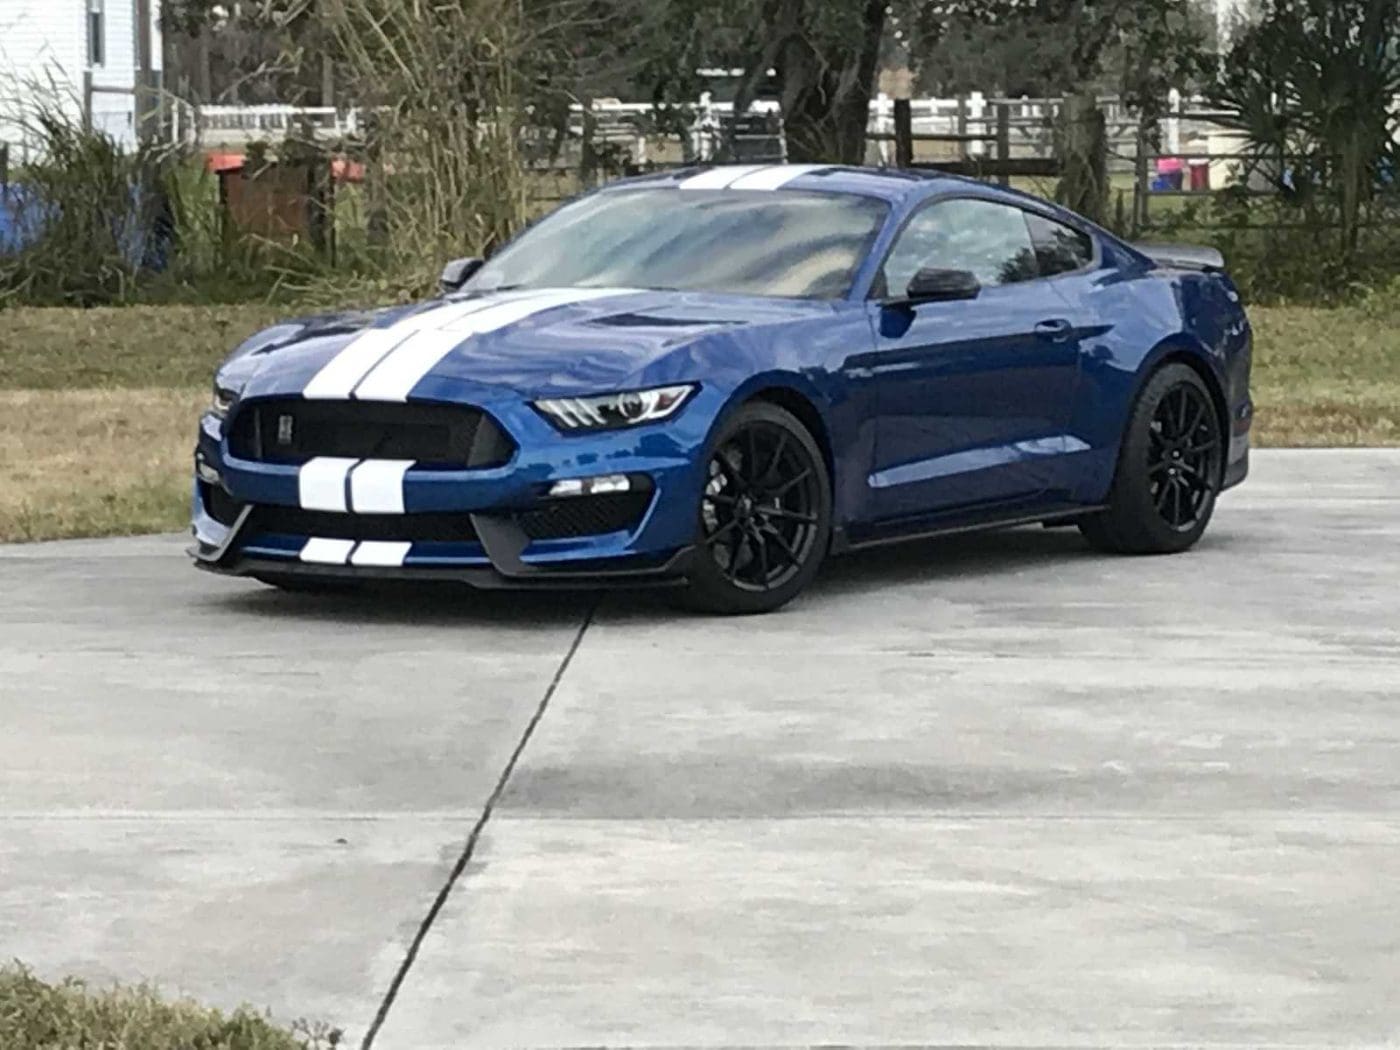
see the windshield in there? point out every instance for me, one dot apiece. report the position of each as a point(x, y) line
point(783, 243)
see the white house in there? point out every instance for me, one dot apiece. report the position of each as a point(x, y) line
point(87, 54)
point(1228, 15)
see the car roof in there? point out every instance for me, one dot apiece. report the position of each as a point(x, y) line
point(890, 184)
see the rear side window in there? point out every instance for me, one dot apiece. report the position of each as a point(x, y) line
point(1058, 249)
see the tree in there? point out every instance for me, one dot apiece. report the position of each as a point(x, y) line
point(1139, 48)
point(1312, 86)
point(824, 54)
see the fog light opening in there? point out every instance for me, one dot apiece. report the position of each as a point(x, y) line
point(207, 474)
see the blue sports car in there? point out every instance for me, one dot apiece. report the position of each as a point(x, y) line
point(717, 377)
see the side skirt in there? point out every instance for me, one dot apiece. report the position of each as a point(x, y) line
point(843, 541)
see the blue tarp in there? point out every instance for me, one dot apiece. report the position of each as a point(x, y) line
point(23, 216)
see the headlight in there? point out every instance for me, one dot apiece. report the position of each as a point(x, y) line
point(222, 401)
point(612, 411)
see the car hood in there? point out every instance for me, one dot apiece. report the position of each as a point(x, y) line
point(537, 343)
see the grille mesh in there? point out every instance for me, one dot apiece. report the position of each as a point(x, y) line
point(585, 516)
point(293, 521)
point(289, 430)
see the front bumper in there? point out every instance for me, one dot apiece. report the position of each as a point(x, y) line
point(485, 527)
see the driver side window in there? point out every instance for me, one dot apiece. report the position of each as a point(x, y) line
point(984, 238)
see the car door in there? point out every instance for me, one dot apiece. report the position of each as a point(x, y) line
point(970, 394)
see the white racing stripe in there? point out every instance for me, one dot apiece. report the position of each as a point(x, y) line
point(327, 552)
point(404, 368)
point(775, 177)
point(380, 553)
point(338, 376)
point(321, 483)
point(376, 486)
point(719, 178)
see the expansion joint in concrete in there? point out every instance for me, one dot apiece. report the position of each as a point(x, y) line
point(469, 849)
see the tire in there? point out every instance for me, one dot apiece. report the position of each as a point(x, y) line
point(763, 516)
point(1169, 469)
point(296, 584)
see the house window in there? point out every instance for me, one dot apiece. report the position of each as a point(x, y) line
point(97, 33)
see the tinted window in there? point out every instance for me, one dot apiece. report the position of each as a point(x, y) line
point(990, 240)
point(1058, 249)
point(774, 243)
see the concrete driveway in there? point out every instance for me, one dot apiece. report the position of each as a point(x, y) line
point(994, 790)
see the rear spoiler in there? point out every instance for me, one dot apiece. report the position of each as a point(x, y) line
point(1184, 257)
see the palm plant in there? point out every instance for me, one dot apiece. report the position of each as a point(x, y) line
point(1312, 88)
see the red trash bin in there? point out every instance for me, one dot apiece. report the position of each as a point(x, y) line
point(1200, 176)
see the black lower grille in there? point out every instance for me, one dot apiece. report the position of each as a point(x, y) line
point(585, 515)
point(292, 521)
point(218, 504)
point(293, 430)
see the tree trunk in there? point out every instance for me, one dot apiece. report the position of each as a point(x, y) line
point(826, 97)
point(1083, 157)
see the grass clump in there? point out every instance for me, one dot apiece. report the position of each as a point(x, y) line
point(36, 1015)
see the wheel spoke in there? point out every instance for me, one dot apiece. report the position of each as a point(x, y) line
point(787, 486)
point(787, 515)
point(734, 547)
point(721, 531)
point(1161, 498)
point(762, 559)
point(1195, 419)
point(786, 548)
point(777, 456)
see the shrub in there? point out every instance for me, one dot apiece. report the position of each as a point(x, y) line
point(68, 1016)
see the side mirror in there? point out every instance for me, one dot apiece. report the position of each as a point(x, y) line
point(457, 273)
point(932, 285)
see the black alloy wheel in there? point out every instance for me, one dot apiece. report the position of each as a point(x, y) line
point(765, 514)
point(1183, 461)
point(1169, 469)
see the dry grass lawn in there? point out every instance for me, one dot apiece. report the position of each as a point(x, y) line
point(98, 407)
point(95, 462)
point(1327, 377)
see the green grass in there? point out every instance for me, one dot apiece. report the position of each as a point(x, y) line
point(122, 346)
point(1327, 376)
point(98, 407)
point(35, 1015)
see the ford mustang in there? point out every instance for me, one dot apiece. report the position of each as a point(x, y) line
point(716, 378)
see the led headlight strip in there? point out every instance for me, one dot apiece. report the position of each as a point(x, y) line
point(613, 411)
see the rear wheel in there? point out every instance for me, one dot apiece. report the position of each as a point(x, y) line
point(1169, 469)
point(765, 514)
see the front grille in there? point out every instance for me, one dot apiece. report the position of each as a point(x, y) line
point(293, 521)
point(293, 430)
point(585, 515)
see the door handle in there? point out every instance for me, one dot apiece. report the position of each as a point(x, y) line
point(1056, 330)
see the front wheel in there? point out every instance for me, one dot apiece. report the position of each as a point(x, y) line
point(1169, 469)
point(764, 514)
